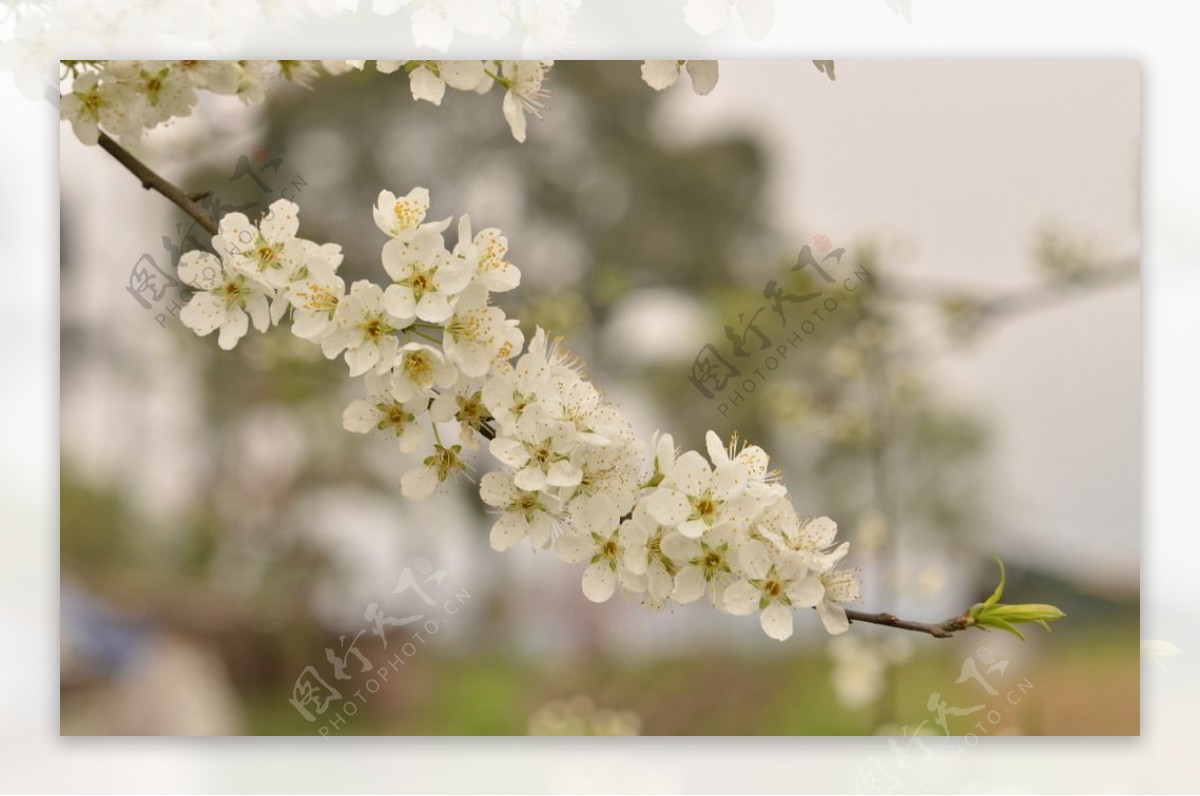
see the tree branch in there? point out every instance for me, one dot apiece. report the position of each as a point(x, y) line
point(152, 181)
point(944, 629)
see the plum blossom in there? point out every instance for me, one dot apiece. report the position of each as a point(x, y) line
point(421, 371)
point(224, 299)
point(525, 94)
point(595, 537)
point(380, 412)
point(365, 330)
point(651, 522)
point(772, 585)
point(267, 251)
point(527, 514)
point(426, 278)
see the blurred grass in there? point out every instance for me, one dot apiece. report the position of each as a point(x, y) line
point(1084, 682)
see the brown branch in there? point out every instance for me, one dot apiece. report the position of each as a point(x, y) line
point(152, 181)
point(944, 629)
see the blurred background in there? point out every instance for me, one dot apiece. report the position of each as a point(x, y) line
point(228, 550)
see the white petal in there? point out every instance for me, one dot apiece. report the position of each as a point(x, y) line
point(509, 451)
point(667, 506)
point(281, 222)
point(729, 480)
point(362, 359)
point(693, 529)
point(234, 329)
point(679, 548)
point(693, 475)
point(741, 598)
point(360, 417)
point(531, 478)
point(200, 270)
point(204, 314)
point(514, 114)
point(776, 620)
point(462, 75)
point(418, 483)
point(508, 531)
point(689, 585)
point(425, 85)
point(600, 515)
point(704, 76)
point(599, 582)
point(716, 450)
point(660, 74)
point(574, 548)
point(754, 558)
point(563, 473)
point(497, 490)
point(833, 617)
point(259, 311)
point(806, 592)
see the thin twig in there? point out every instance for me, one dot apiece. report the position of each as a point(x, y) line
point(152, 181)
point(944, 629)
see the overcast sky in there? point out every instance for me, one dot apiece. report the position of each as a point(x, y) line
point(955, 164)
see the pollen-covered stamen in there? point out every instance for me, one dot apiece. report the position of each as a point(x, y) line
point(445, 461)
point(418, 366)
point(421, 282)
point(234, 291)
point(713, 562)
point(471, 410)
point(374, 328)
point(408, 213)
point(316, 298)
point(394, 416)
point(608, 550)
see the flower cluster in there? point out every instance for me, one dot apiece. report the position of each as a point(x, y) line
point(126, 98)
point(438, 361)
point(522, 82)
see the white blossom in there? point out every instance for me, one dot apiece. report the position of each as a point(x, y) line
point(841, 586)
point(645, 557)
point(267, 251)
point(421, 371)
point(477, 335)
point(364, 330)
point(525, 93)
point(401, 217)
point(540, 452)
point(313, 297)
point(421, 481)
point(380, 412)
point(94, 104)
point(595, 537)
point(224, 299)
point(574, 476)
point(773, 586)
point(484, 254)
point(527, 514)
point(426, 277)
